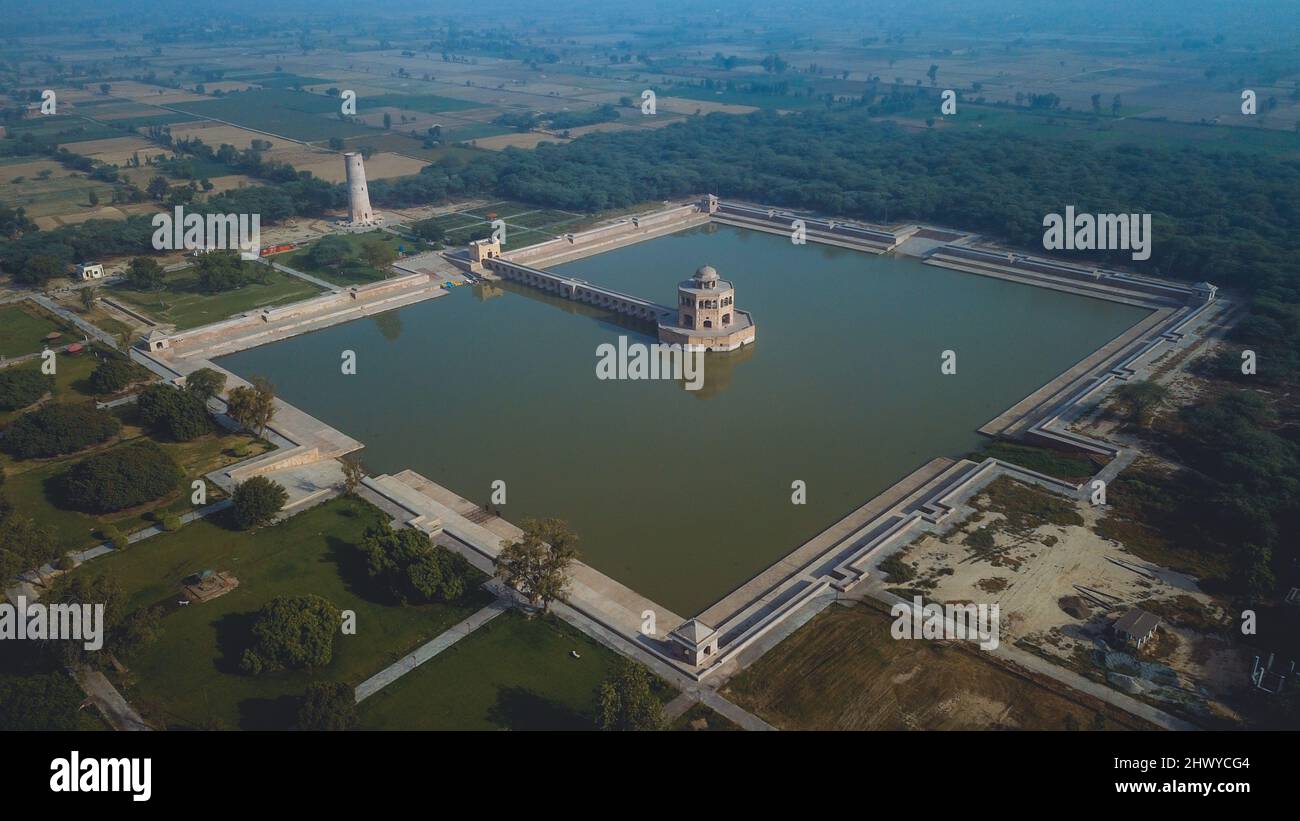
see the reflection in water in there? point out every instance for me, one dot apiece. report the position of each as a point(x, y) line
point(389, 324)
point(484, 290)
point(718, 366)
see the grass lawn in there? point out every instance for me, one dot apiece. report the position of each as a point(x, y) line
point(353, 273)
point(70, 385)
point(190, 676)
point(512, 673)
point(29, 485)
point(185, 305)
point(843, 671)
point(23, 330)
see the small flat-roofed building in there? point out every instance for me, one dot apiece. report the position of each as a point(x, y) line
point(1206, 291)
point(90, 270)
point(484, 249)
point(697, 641)
point(1136, 626)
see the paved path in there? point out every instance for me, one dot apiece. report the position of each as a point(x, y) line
point(294, 272)
point(26, 581)
point(427, 651)
point(1113, 697)
point(115, 709)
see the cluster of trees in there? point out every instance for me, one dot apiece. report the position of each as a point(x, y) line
point(225, 271)
point(1233, 218)
point(336, 253)
point(114, 374)
point(58, 429)
point(406, 565)
point(20, 387)
point(1248, 497)
point(119, 478)
point(565, 120)
point(292, 633)
point(146, 275)
point(328, 706)
point(178, 414)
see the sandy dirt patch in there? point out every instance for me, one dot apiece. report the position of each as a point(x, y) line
point(215, 134)
point(117, 150)
point(529, 140)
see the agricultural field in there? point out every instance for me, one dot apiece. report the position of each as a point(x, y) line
point(297, 115)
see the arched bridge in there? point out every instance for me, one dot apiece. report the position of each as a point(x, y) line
point(580, 290)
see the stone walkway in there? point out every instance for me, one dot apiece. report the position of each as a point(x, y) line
point(441, 642)
point(115, 709)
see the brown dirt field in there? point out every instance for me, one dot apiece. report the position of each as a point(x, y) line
point(104, 212)
point(231, 181)
point(117, 150)
point(529, 140)
point(329, 166)
point(31, 169)
point(214, 134)
point(601, 127)
point(228, 85)
point(843, 671)
point(685, 106)
point(143, 92)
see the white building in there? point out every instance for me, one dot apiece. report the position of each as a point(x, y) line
point(90, 270)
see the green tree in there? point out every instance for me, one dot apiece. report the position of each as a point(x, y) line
point(39, 270)
point(378, 254)
point(205, 383)
point(328, 705)
point(627, 701)
point(406, 565)
point(292, 633)
point(20, 387)
point(24, 545)
point(126, 476)
point(173, 413)
point(157, 188)
point(1141, 400)
point(114, 374)
point(353, 473)
point(252, 406)
point(537, 565)
point(330, 252)
point(256, 502)
point(57, 429)
point(145, 274)
point(41, 701)
point(221, 271)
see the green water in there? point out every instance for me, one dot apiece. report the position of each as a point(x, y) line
point(686, 495)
